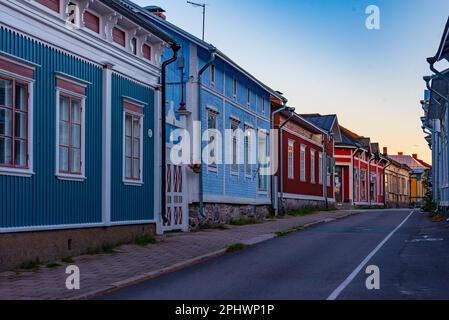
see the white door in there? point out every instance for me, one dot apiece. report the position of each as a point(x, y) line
point(177, 210)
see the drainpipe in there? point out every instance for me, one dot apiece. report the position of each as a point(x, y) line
point(281, 173)
point(325, 172)
point(175, 48)
point(353, 180)
point(212, 51)
point(385, 189)
point(284, 107)
point(369, 181)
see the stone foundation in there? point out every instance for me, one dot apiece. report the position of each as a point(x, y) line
point(224, 213)
point(16, 248)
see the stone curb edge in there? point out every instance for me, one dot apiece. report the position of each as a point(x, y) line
point(188, 263)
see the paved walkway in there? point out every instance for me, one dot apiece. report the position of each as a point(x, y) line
point(132, 264)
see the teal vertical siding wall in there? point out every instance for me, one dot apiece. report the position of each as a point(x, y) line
point(44, 200)
point(131, 203)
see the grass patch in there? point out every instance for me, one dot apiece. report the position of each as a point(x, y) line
point(212, 226)
point(244, 222)
point(52, 265)
point(68, 260)
point(289, 231)
point(145, 240)
point(235, 247)
point(108, 248)
point(31, 265)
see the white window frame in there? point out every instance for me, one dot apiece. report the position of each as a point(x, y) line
point(212, 167)
point(263, 104)
point(234, 87)
point(248, 96)
point(133, 182)
point(320, 168)
point(69, 176)
point(248, 160)
point(302, 163)
point(262, 133)
point(23, 172)
point(213, 75)
point(312, 166)
point(235, 167)
point(291, 159)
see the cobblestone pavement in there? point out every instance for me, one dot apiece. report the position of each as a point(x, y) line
point(132, 263)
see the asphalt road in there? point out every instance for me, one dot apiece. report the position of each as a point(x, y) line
point(327, 261)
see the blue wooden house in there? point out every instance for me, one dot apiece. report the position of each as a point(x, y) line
point(228, 98)
point(79, 125)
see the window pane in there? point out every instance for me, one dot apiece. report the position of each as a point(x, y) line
point(128, 167)
point(136, 126)
point(5, 151)
point(63, 133)
point(76, 136)
point(5, 122)
point(20, 125)
point(5, 92)
point(21, 97)
point(20, 150)
point(136, 169)
point(128, 121)
point(136, 148)
point(76, 111)
point(75, 155)
point(128, 147)
point(63, 159)
point(64, 108)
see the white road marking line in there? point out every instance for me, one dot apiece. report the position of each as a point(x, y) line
point(334, 295)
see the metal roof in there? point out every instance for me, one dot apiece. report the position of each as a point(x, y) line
point(325, 122)
point(443, 50)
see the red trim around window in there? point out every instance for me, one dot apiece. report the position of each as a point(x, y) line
point(119, 36)
point(52, 4)
point(91, 21)
point(70, 86)
point(133, 107)
point(16, 68)
point(13, 109)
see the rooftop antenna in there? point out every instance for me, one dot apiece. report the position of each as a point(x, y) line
point(201, 5)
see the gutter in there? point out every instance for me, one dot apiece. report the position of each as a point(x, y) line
point(212, 51)
point(175, 48)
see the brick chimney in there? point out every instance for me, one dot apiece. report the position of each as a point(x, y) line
point(157, 11)
point(385, 151)
point(415, 156)
point(400, 153)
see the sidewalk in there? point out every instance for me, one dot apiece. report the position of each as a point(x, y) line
point(132, 264)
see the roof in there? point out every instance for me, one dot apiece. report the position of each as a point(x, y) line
point(348, 138)
point(437, 105)
point(443, 50)
point(304, 123)
point(325, 122)
point(149, 16)
point(409, 161)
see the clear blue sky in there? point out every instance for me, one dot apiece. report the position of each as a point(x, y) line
point(321, 56)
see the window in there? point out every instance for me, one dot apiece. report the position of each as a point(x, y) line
point(247, 150)
point(320, 168)
point(363, 184)
point(91, 21)
point(235, 148)
point(14, 117)
point(212, 125)
point(234, 87)
point(134, 46)
point(248, 96)
point(262, 159)
point(133, 144)
point(70, 135)
point(291, 159)
point(263, 104)
point(52, 4)
point(70, 154)
point(302, 164)
point(146, 49)
point(312, 166)
point(119, 36)
point(212, 75)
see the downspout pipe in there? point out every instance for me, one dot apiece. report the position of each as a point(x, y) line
point(354, 182)
point(175, 48)
point(281, 149)
point(369, 177)
point(325, 172)
point(212, 51)
point(389, 163)
point(273, 114)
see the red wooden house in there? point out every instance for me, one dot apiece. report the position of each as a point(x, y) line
point(307, 156)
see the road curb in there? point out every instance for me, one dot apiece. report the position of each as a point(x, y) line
point(188, 263)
